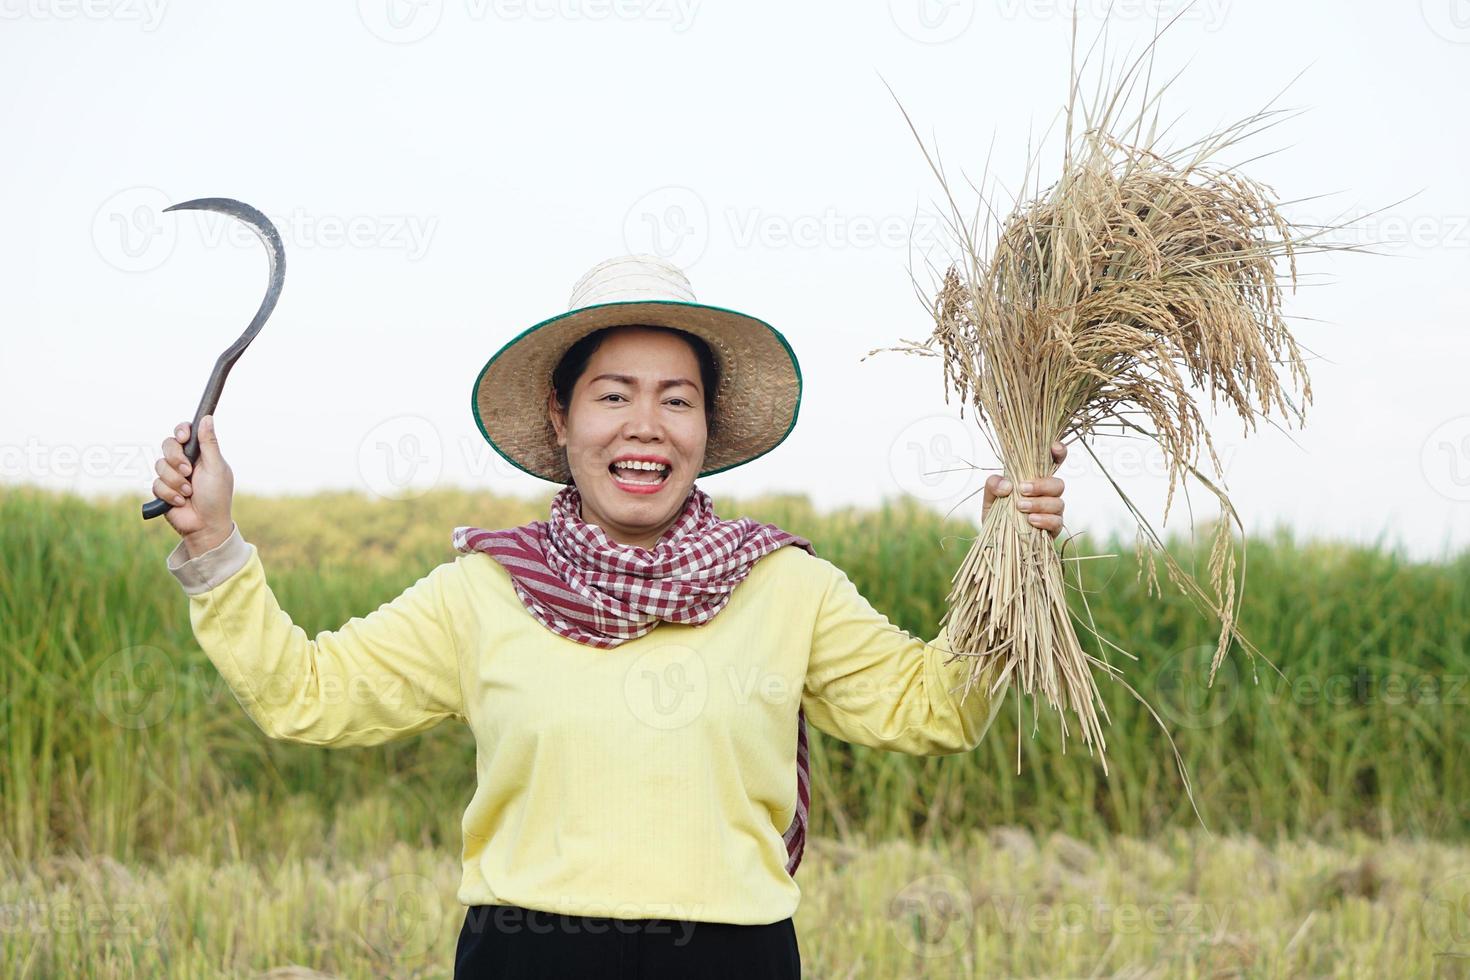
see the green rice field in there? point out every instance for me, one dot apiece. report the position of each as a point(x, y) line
point(147, 828)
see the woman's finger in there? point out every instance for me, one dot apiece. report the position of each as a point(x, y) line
point(169, 476)
point(163, 491)
point(1047, 486)
point(1050, 523)
point(997, 485)
point(179, 461)
point(1040, 505)
point(1058, 452)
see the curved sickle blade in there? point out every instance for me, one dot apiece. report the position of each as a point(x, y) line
point(276, 253)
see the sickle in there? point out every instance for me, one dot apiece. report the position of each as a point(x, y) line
point(268, 235)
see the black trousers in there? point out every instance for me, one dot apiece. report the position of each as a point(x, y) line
point(508, 941)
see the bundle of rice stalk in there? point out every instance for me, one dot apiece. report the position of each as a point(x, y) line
point(1142, 280)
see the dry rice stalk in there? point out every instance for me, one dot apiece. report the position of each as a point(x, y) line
point(1140, 274)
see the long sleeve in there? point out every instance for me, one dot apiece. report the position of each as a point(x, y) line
point(872, 683)
point(377, 678)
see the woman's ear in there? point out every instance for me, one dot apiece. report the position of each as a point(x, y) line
point(557, 422)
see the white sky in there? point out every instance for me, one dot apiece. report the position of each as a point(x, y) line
point(442, 172)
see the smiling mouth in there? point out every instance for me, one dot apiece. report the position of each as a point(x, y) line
point(639, 477)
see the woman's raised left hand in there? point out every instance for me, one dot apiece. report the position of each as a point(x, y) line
point(1042, 502)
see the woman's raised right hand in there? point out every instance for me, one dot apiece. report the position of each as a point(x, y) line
point(200, 494)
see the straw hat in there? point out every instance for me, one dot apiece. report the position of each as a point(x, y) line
point(755, 404)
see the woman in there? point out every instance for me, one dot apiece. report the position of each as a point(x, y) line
point(641, 796)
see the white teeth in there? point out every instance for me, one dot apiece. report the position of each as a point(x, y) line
point(656, 471)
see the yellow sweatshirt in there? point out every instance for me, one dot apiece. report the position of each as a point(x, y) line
point(654, 779)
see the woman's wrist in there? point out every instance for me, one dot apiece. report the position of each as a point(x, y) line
point(208, 539)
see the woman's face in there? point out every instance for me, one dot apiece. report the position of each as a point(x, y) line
point(641, 396)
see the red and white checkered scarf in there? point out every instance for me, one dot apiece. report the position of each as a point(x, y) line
point(579, 583)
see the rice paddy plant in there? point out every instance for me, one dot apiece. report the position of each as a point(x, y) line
point(117, 735)
point(1147, 278)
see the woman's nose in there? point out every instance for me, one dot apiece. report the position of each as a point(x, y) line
point(643, 421)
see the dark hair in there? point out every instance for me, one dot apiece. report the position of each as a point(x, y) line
point(574, 362)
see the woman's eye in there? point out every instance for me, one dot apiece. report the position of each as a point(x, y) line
point(679, 401)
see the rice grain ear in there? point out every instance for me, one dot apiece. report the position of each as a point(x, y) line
point(1140, 281)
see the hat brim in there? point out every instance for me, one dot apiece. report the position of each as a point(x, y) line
point(756, 404)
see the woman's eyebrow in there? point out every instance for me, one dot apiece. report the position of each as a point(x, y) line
point(633, 382)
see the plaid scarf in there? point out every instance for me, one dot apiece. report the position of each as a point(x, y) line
point(580, 584)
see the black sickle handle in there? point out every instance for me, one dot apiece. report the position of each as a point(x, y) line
point(155, 507)
point(268, 235)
